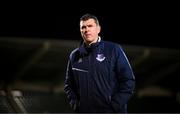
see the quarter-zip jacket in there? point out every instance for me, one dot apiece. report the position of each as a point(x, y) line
point(99, 78)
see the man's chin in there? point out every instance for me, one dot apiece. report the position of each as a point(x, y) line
point(88, 39)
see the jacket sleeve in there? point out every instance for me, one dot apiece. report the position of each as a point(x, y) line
point(126, 81)
point(69, 87)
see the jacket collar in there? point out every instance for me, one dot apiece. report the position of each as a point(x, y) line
point(83, 49)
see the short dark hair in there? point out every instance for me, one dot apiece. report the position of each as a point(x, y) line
point(89, 16)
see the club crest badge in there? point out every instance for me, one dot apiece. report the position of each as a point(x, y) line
point(100, 57)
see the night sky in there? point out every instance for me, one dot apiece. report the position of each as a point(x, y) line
point(147, 24)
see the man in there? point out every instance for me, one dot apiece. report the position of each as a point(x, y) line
point(99, 77)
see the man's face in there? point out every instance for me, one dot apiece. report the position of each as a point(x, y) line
point(89, 31)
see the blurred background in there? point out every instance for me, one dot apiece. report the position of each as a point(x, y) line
point(37, 38)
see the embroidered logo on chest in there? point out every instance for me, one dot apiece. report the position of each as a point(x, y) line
point(80, 60)
point(100, 57)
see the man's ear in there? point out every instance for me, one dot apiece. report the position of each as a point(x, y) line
point(99, 29)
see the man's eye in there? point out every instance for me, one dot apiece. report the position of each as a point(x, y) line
point(83, 27)
point(90, 25)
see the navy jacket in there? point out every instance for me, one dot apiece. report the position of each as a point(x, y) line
point(99, 78)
